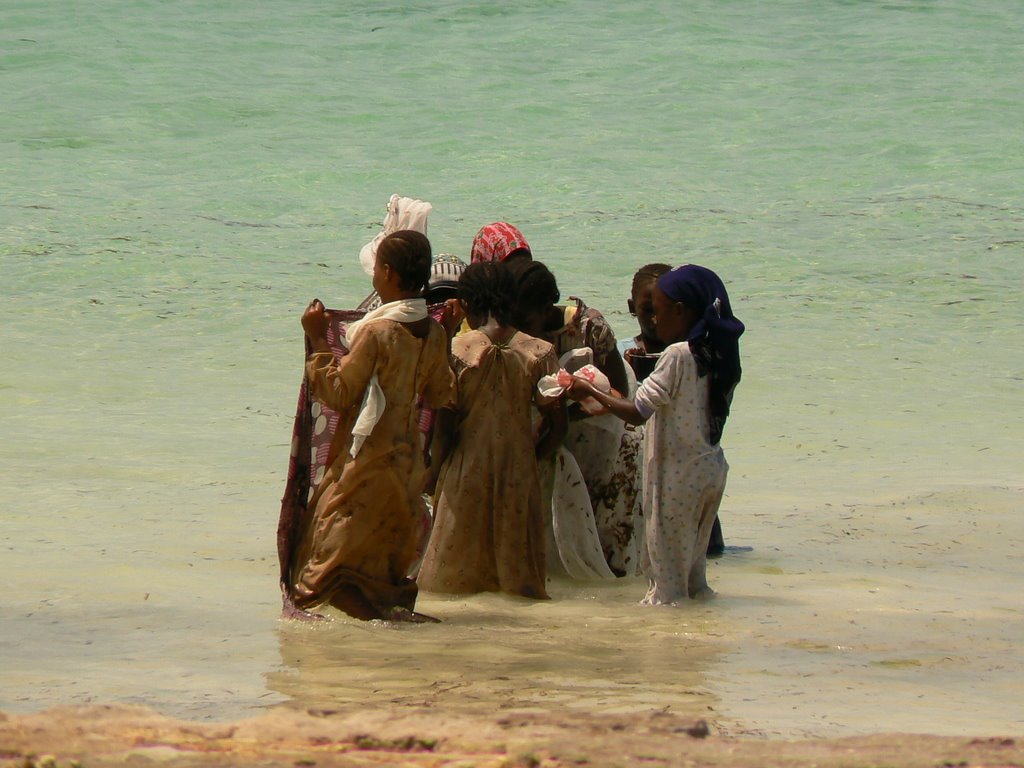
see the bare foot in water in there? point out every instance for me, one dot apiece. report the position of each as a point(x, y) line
point(404, 614)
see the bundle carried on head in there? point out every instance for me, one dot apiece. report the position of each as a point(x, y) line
point(402, 213)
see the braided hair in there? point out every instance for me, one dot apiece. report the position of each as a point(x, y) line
point(648, 273)
point(408, 253)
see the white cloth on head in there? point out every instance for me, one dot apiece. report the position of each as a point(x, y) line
point(403, 213)
point(374, 402)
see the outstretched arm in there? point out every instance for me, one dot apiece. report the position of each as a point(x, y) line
point(339, 382)
point(626, 410)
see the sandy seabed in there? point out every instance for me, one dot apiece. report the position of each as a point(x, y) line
point(106, 735)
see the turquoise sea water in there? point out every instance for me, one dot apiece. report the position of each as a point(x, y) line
point(179, 179)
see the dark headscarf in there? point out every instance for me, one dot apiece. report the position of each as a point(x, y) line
point(714, 337)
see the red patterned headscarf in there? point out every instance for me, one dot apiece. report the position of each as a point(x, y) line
point(496, 242)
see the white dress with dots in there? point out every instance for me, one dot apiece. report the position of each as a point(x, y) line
point(684, 478)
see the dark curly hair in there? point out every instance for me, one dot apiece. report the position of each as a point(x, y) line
point(408, 253)
point(488, 288)
point(536, 287)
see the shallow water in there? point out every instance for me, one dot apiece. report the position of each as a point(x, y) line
point(181, 178)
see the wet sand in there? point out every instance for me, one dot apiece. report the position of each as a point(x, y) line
point(359, 736)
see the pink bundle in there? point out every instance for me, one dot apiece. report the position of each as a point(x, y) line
point(588, 372)
point(575, 363)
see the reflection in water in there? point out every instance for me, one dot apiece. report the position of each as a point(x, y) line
point(900, 616)
point(496, 653)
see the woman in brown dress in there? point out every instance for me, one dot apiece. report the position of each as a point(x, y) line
point(360, 544)
point(488, 531)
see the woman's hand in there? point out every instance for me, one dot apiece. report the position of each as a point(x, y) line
point(452, 316)
point(315, 320)
point(632, 352)
point(580, 389)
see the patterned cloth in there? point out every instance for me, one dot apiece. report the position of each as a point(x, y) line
point(312, 434)
point(445, 271)
point(584, 327)
point(496, 242)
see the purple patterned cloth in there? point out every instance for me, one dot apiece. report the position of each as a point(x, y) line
point(312, 435)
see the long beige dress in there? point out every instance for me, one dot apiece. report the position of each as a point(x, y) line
point(488, 531)
point(684, 478)
point(363, 532)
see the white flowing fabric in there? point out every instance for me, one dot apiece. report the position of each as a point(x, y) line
point(593, 455)
point(403, 213)
point(374, 402)
point(598, 444)
point(573, 544)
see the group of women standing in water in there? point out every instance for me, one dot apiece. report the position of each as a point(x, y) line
point(543, 452)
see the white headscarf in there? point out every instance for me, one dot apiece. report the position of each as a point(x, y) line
point(403, 213)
